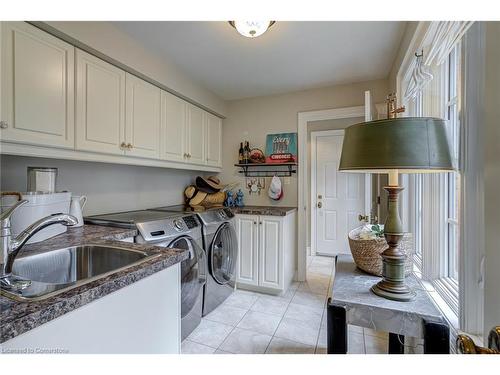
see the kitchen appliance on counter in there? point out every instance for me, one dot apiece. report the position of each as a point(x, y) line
point(221, 247)
point(177, 230)
point(42, 179)
point(39, 205)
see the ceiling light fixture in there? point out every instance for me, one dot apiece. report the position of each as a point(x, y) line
point(251, 29)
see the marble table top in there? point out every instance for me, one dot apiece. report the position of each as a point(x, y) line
point(351, 289)
point(264, 210)
point(19, 317)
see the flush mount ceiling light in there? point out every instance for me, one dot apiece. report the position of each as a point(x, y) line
point(251, 29)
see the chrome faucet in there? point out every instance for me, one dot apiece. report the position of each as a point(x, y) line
point(9, 247)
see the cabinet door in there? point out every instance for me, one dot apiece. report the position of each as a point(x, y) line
point(248, 249)
point(37, 87)
point(143, 118)
point(173, 134)
point(100, 105)
point(270, 252)
point(214, 140)
point(195, 135)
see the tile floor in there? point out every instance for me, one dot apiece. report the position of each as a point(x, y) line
point(294, 323)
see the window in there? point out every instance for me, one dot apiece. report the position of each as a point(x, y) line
point(435, 199)
point(453, 179)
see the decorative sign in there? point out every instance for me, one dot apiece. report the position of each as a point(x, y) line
point(281, 148)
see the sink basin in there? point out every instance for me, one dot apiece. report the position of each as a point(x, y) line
point(56, 271)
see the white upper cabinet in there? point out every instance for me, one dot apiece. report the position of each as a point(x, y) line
point(100, 105)
point(37, 87)
point(214, 140)
point(80, 107)
point(143, 118)
point(173, 131)
point(195, 135)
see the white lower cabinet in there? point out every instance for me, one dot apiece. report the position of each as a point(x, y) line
point(267, 252)
point(142, 318)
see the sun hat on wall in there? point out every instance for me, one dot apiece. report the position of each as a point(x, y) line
point(209, 185)
point(275, 191)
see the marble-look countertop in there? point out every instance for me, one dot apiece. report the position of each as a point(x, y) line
point(264, 210)
point(19, 317)
point(351, 289)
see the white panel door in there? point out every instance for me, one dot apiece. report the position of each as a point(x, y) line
point(340, 196)
point(173, 130)
point(248, 247)
point(37, 87)
point(270, 252)
point(100, 105)
point(143, 118)
point(195, 135)
point(214, 140)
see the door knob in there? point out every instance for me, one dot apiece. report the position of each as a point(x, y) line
point(4, 125)
point(123, 145)
point(130, 146)
point(320, 204)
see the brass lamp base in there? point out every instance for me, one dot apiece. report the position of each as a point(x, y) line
point(393, 286)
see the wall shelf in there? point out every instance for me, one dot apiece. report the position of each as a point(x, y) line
point(267, 169)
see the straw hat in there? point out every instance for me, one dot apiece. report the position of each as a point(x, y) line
point(194, 196)
point(210, 184)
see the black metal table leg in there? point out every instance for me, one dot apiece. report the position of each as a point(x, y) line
point(436, 338)
point(396, 343)
point(336, 329)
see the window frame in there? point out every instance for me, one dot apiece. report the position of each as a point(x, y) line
point(429, 196)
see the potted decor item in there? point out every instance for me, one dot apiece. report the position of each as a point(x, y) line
point(367, 243)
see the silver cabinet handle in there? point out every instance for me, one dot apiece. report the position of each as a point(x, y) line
point(130, 146)
point(123, 145)
point(4, 125)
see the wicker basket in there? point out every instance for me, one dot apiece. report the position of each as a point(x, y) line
point(366, 253)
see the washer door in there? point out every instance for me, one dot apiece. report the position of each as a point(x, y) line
point(223, 252)
point(193, 273)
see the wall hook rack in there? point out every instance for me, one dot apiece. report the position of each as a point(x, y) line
point(267, 169)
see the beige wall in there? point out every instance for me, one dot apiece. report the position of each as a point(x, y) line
point(111, 41)
point(492, 177)
point(252, 119)
point(314, 126)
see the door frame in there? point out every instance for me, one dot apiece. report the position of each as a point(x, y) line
point(303, 118)
point(314, 136)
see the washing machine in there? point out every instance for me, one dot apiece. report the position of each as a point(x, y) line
point(176, 230)
point(221, 247)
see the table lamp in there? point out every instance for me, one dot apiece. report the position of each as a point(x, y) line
point(393, 146)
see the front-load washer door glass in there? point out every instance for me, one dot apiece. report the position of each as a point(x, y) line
point(193, 273)
point(223, 252)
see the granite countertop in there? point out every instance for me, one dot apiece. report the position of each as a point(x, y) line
point(265, 210)
point(19, 317)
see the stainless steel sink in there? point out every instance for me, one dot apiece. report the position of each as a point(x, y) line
point(56, 271)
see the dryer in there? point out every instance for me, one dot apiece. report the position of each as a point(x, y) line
point(221, 247)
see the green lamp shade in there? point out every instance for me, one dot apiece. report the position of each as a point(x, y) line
point(408, 145)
